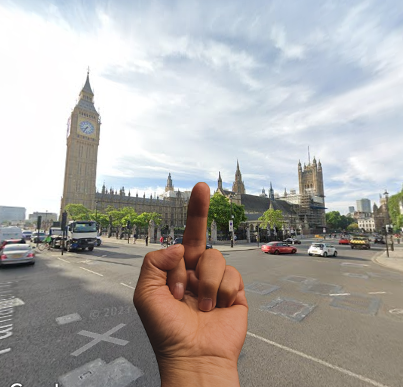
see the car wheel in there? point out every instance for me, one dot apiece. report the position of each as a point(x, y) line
point(335, 254)
point(325, 254)
point(91, 248)
point(98, 243)
point(310, 254)
point(276, 252)
point(293, 251)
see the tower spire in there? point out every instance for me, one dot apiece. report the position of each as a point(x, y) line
point(219, 180)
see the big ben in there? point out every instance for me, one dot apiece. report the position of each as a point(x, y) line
point(83, 131)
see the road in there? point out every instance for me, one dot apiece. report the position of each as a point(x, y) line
point(69, 320)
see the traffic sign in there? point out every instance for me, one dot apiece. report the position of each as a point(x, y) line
point(231, 225)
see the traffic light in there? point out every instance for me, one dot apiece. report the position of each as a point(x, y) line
point(64, 220)
point(39, 222)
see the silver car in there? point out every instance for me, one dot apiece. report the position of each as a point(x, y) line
point(17, 253)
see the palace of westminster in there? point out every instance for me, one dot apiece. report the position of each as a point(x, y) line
point(303, 212)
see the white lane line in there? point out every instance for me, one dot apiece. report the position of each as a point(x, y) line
point(339, 294)
point(93, 272)
point(61, 259)
point(5, 351)
point(376, 292)
point(128, 286)
point(319, 361)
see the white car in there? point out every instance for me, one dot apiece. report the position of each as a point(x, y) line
point(322, 249)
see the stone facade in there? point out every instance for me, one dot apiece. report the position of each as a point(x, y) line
point(83, 133)
point(172, 209)
point(302, 213)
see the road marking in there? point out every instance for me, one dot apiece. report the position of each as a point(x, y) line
point(376, 292)
point(61, 259)
point(319, 361)
point(100, 337)
point(118, 373)
point(68, 318)
point(339, 294)
point(93, 272)
point(128, 286)
point(11, 303)
point(5, 350)
point(396, 311)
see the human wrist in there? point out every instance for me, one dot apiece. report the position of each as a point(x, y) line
point(196, 372)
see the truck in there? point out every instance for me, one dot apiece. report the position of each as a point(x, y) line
point(10, 232)
point(81, 235)
point(56, 233)
point(359, 242)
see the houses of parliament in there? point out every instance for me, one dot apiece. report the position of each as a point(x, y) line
point(304, 211)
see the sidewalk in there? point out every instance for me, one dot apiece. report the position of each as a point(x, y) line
point(395, 260)
point(157, 246)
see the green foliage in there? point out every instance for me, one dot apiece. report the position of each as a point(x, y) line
point(220, 211)
point(77, 212)
point(352, 227)
point(394, 209)
point(335, 221)
point(272, 217)
point(144, 219)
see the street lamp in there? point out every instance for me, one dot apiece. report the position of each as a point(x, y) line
point(232, 217)
point(386, 221)
point(96, 215)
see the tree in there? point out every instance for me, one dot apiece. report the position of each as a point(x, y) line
point(352, 227)
point(220, 211)
point(144, 219)
point(272, 217)
point(335, 221)
point(77, 212)
point(394, 203)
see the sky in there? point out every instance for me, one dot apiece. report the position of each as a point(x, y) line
point(190, 87)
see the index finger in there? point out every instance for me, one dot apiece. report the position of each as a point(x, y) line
point(194, 238)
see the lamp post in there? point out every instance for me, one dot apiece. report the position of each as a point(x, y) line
point(96, 214)
point(386, 217)
point(232, 218)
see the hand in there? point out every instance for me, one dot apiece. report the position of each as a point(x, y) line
point(193, 306)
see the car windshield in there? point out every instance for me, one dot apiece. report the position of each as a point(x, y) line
point(317, 245)
point(85, 227)
point(16, 247)
point(38, 234)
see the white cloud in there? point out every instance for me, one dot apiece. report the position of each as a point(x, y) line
point(179, 95)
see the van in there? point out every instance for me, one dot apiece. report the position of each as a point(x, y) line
point(11, 232)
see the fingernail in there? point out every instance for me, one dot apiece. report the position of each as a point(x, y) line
point(206, 304)
point(179, 291)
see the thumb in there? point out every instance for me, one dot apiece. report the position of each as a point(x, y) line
point(153, 274)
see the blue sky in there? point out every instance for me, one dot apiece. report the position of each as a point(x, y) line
point(189, 87)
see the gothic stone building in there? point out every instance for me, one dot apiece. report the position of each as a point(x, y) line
point(302, 213)
point(83, 135)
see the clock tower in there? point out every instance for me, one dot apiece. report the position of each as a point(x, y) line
point(83, 130)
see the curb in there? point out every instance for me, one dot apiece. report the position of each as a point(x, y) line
point(375, 260)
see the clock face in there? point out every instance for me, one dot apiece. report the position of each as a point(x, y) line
point(86, 127)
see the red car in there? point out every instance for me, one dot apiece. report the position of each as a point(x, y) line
point(344, 241)
point(278, 248)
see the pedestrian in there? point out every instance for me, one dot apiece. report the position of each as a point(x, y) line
point(162, 241)
point(169, 240)
point(146, 240)
point(134, 238)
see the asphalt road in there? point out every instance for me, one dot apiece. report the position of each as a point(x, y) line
point(69, 320)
